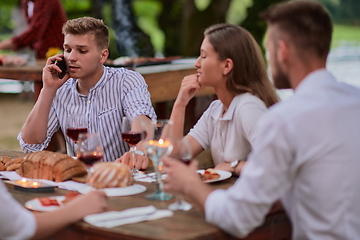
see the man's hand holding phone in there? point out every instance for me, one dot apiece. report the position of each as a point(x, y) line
point(52, 77)
point(62, 65)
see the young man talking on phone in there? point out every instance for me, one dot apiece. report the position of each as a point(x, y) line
point(103, 94)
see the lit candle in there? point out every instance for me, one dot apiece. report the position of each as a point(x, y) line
point(28, 183)
point(160, 143)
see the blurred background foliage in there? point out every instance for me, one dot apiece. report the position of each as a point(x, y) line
point(175, 27)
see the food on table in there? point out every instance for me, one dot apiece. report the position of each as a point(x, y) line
point(51, 166)
point(128, 60)
point(48, 201)
point(110, 175)
point(3, 161)
point(209, 174)
point(70, 196)
point(12, 60)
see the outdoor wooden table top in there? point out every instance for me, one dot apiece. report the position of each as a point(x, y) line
point(183, 225)
point(163, 80)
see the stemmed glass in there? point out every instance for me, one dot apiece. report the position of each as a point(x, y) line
point(89, 150)
point(156, 147)
point(132, 137)
point(181, 151)
point(75, 124)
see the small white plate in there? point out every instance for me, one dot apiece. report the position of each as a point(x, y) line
point(223, 175)
point(35, 204)
point(120, 191)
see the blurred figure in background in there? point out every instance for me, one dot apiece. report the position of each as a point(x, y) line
point(45, 19)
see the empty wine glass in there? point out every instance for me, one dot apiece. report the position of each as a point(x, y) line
point(75, 124)
point(132, 137)
point(89, 150)
point(181, 151)
point(156, 147)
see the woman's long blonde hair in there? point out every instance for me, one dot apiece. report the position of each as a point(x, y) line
point(249, 71)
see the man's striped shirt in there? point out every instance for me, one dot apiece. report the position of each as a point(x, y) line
point(119, 92)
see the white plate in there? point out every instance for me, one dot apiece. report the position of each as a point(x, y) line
point(35, 204)
point(223, 175)
point(120, 191)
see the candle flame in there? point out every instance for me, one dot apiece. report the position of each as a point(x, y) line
point(161, 141)
point(23, 180)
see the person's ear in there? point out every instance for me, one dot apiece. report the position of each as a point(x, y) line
point(228, 66)
point(283, 51)
point(104, 55)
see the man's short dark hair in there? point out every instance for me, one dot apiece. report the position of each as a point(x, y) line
point(307, 24)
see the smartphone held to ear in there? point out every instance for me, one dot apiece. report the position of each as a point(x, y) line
point(62, 65)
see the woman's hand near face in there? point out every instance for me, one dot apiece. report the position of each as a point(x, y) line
point(189, 86)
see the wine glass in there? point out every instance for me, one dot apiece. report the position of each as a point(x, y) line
point(132, 137)
point(89, 150)
point(156, 147)
point(75, 124)
point(181, 151)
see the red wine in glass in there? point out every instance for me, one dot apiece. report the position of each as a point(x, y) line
point(132, 138)
point(90, 159)
point(73, 133)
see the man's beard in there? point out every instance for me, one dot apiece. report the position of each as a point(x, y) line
point(281, 80)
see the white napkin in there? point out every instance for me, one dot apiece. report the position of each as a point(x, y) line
point(71, 185)
point(148, 177)
point(132, 215)
point(143, 177)
point(11, 175)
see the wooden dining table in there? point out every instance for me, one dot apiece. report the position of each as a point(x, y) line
point(182, 225)
point(163, 80)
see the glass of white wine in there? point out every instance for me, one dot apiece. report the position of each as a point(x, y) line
point(156, 147)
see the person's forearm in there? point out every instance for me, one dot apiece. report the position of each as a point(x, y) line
point(35, 127)
point(7, 44)
point(49, 223)
point(178, 118)
point(199, 192)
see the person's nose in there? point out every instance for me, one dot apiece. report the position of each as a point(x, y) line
point(72, 56)
point(197, 63)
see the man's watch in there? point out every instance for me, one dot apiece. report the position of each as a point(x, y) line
point(139, 152)
point(233, 165)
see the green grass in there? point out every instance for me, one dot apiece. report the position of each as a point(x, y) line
point(344, 33)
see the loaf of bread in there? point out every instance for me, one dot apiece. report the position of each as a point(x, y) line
point(53, 166)
point(110, 175)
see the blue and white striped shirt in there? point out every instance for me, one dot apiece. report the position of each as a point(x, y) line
point(119, 92)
